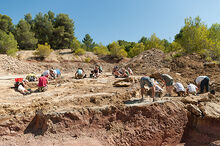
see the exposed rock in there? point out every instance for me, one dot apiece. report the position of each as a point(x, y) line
point(194, 110)
point(211, 96)
point(211, 110)
point(215, 143)
point(122, 84)
point(191, 100)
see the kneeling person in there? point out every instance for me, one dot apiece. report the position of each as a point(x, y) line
point(42, 84)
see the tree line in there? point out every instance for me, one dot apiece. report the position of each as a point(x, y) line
point(46, 31)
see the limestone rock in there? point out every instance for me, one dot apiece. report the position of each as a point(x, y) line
point(211, 110)
point(194, 110)
point(215, 143)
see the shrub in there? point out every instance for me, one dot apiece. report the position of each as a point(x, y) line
point(116, 50)
point(11, 52)
point(101, 50)
point(87, 59)
point(136, 50)
point(43, 51)
point(80, 51)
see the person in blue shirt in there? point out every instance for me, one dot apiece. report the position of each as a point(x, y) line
point(79, 73)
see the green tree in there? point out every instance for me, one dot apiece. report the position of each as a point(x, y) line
point(136, 50)
point(154, 42)
point(193, 37)
point(174, 47)
point(63, 32)
point(116, 50)
point(101, 50)
point(43, 28)
point(143, 40)
point(6, 24)
point(51, 16)
point(24, 36)
point(88, 42)
point(8, 44)
point(28, 18)
point(166, 43)
point(127, 45)
point(214, 35)
point(75, 44)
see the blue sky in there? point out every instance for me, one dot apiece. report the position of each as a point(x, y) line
point(112, 20)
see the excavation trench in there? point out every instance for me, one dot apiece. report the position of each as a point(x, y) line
point(160, 123)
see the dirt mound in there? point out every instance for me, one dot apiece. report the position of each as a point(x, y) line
point(13, 65)
point(148, 61)
point(191, 66)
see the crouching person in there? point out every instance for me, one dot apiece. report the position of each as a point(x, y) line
point(22, 86)
point(147, 80)
point(202, 83)
point(192, 89)
point(31, 77)
point(79, 73)
point(179, 89)
point(58, 72)
point(42, 84)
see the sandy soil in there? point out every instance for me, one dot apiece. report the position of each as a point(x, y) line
point(94, 112)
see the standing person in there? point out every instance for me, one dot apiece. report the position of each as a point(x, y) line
point(179, 88)
point(202, 82)
point(42, 83)
point(168, 82)
point(147, 80)
point(192, 89)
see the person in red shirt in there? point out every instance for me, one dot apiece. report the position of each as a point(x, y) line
point(42, 84)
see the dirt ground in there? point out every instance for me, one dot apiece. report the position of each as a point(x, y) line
point(94, 112)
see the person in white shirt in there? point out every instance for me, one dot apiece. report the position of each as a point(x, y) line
point(202, 82)
point(179, 89)
point(21, 87)
point(192, 89)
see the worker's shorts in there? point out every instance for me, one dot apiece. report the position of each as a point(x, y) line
point(170, 83)
point(146, 80)
point(42, 89)
point(79, 76)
